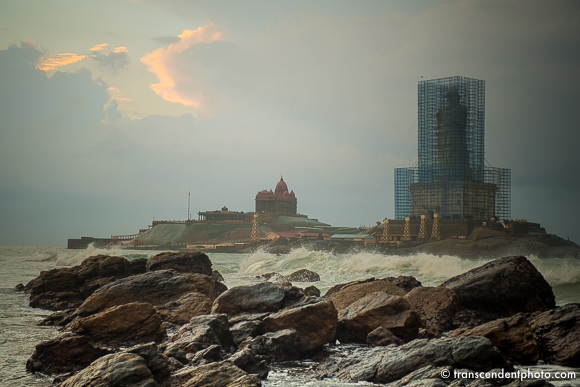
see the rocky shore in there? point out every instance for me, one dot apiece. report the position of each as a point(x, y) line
point(483, 243)
point(171, 321)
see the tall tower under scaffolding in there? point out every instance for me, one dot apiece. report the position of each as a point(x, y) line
point(451, 177)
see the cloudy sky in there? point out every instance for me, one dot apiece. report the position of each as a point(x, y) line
point(112, 111)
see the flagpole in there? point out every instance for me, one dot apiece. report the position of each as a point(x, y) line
point(188, 200)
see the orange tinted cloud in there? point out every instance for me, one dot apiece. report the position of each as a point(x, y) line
point(115, 94)
point(99, 47)
point(49, 63)
point(119, 49)
point(162, 62)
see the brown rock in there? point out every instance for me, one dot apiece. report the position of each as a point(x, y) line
point(66, 353)
point(512, 336)
point(377, 309)
point(182, 262)
point(261, 297)
point(122, 324)
point(220, 374)
point(315, 323)
point(185, 307)
point(115, 370)
point(502, 288)
point(101, 266)
point(382, 337)
point(156, 288)
point(435, 306)
point(203, 332)
point(56, 289)
point(558, 334)
point(351, 293)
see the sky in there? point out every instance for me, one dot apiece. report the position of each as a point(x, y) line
point(111, 112)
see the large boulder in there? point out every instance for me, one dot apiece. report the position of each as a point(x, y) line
point(66, 353)
point(156, 288)
point(66, 288)
point(262, 297)
point(182, 262)
point(277, 346)
point(435, 305)
point(102, 266)
point(56, 289)
point(512, 336)
point(502, 288)
point(220, 374)
point(123, 324)
point(558, 334)
point(405, 283)
point(315, 323)
point(353, 292)
point(388, 364)
point(375, 310)
point(185, 308)
point(202, 332)
point(115, 370)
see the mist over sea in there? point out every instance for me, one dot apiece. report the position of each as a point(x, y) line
point(19, 264)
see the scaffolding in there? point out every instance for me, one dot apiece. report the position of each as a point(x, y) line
point(450, 177)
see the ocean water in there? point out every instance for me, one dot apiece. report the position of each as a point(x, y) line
point(19, 264)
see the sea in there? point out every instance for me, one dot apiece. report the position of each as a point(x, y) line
point(19, 332)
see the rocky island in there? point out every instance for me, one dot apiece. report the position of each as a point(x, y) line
point(171, 321)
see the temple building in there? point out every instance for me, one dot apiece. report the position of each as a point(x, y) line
point(280, 201)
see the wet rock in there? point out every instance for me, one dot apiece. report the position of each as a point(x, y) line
point(220, 374)
point(66, 353)
point(436, 306)
point(405, 282)
point(67, 288)
point(182, 262)
point(283, 345)
point(355, 291)
point(314, 321)
point(56, 289)
point(427, 376)
point(211, 354)
point(512, 336)
point(115, 370)
point(502, 288)
point(104, 266)
point(262, 297)
point(269, 276)
point(59, 318)
point(219, 288)
point(157, 362)
point(185, 308)
point(312, 291)
point(303, 275)
point(203, 332)
point(173, 351)
point(558, 334)
point(382, 337)
point(121, 324)
point(217, 277)
point(90, 286)
point(244, 329)
point(156, 288)
point(19, 288)
point(388, 364)
point(139, 265)
point(375, 310)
